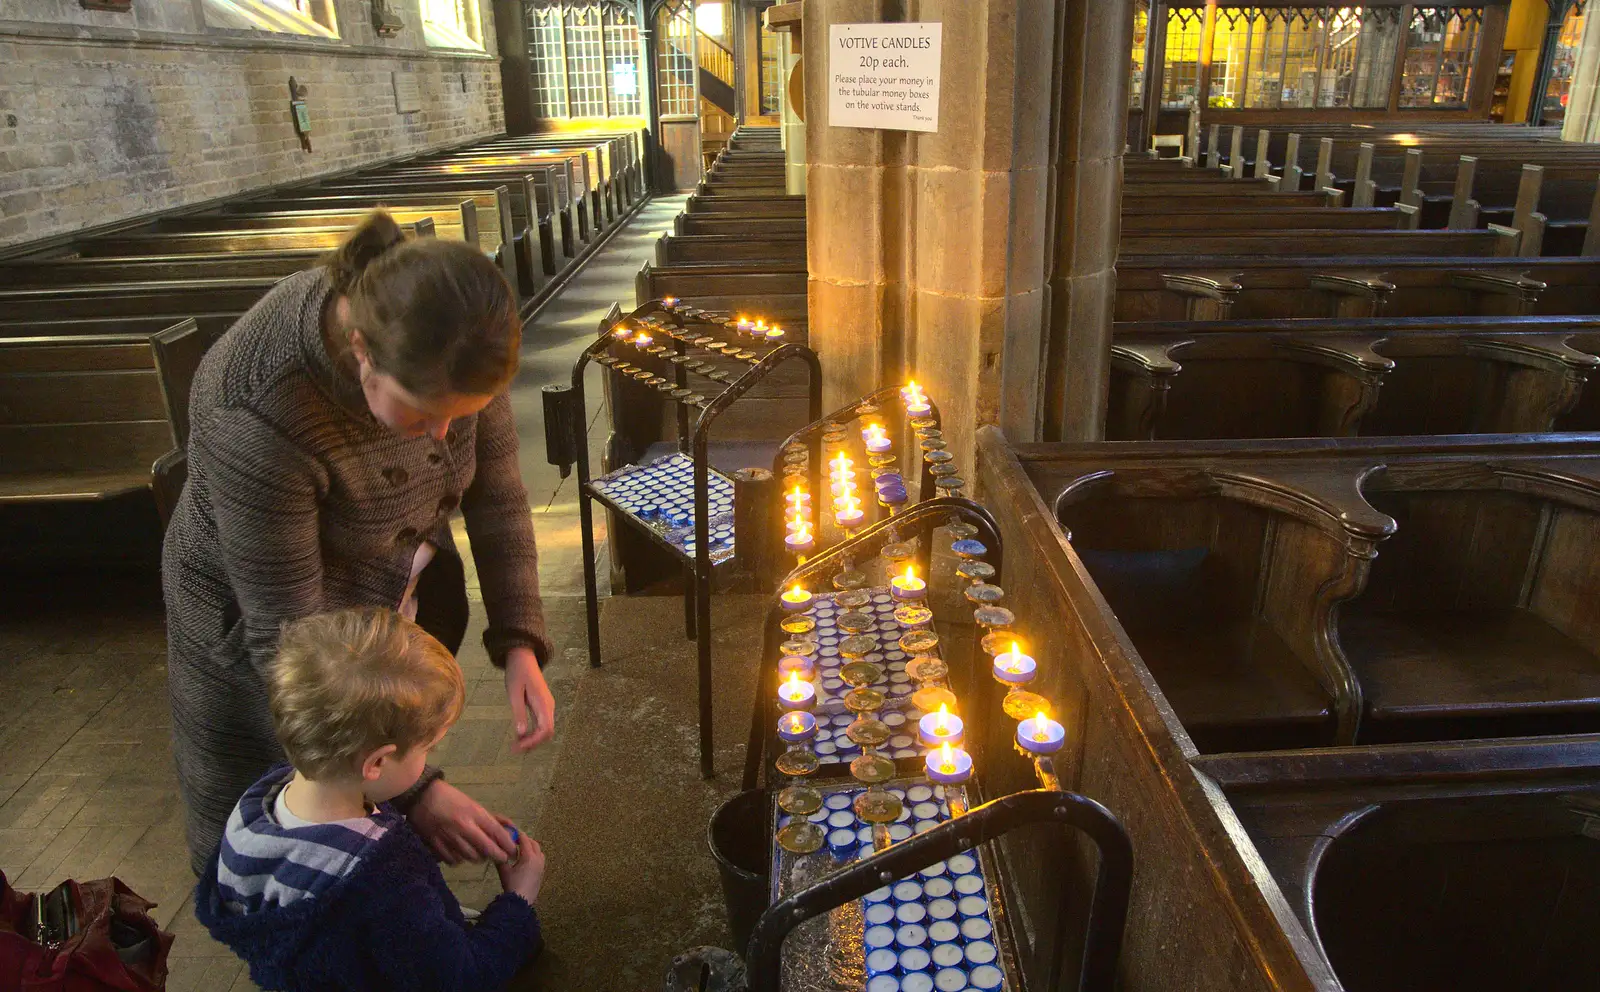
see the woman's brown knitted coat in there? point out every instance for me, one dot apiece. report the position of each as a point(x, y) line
point(298, 501)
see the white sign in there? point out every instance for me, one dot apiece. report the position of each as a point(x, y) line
point(624, 80)
point(884, 76)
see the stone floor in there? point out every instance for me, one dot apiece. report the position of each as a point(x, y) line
point(86, 780)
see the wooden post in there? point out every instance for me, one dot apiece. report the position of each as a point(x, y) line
point(1214, 146)
point(1291, 166)
point(1591, 238)
point(1191, 149)
point(1462, 215)
point(1263, 164)
point(1528, 189)
point(1364, 194)
point(1410, 191)
point(1325, 163)
point(1236, 153)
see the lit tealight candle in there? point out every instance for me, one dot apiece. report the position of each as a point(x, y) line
point(798, 541)
point(797, 726)
point(949, 765)
point(669, 301)
point(918, 405)
point(850, 513)
point(798, 499)
point(643, 340)
point(910, 389)
point(744, 325)
point(907, 586)
point(939, 728)
point(774, 333)
point(622, 330)
point(877, 439)
point(1040, 734)
point(797, 598)
point(1013, 667)
point(797, 693)
point(760, 330)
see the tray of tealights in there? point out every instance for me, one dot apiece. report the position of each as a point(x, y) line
point(867, 625)
point(939, 930)
point(660, 495)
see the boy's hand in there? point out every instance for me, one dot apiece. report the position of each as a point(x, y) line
point(527, 875)
point(457, 828)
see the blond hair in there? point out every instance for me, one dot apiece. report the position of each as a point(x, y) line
point(345, 684)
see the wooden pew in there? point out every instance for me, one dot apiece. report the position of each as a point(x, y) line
point(763, 207)
point(1209, 914)
point(731, 225)
point(81, 418)
point(728, 249)
point(1180, 286)
point(1343, 377)
point(457, 222)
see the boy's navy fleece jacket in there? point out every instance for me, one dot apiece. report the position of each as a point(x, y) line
point(391, 925)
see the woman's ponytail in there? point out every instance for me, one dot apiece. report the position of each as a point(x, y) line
point(361, 247)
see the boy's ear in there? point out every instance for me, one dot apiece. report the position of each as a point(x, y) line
point(372, 767)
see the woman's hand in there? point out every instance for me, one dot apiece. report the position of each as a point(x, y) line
point(457, 828)
point(533, 709)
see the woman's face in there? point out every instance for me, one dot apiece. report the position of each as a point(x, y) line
point(413, 416)
point(397, 408)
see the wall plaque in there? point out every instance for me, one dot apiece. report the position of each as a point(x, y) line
point(407, 93)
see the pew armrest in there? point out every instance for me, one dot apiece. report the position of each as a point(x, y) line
point(1207, 295)
point(1142, 374)
point(1353, 355)
point(1358, 294)
point(1522, 291)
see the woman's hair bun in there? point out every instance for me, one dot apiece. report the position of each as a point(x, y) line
point(361, 247)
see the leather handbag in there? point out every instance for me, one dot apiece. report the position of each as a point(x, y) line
point(80, 937)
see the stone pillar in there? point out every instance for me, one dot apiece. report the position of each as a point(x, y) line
point(787, 24)
point(1095, 40)
point(1582, 122)
point(927, 252)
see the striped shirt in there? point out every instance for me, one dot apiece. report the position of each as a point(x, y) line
point(269, 860)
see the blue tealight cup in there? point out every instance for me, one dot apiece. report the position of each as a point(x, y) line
point(914, 959)
point(881, 962)
point(950, 979)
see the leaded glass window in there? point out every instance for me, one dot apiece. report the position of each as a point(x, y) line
point(584, 59)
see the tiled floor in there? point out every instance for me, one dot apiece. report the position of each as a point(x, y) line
point(86, 781)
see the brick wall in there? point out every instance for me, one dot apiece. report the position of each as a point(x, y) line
point(108, 116)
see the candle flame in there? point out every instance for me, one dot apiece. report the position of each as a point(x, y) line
point(1041, 730)
point(798, 592)
point(947, 759)
point(797, 723)
point(939, 722)
point(910, 574)
point(791, 689)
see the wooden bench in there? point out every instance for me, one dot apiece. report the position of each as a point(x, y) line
point(1343, 377)
point(726, 249)
point(1189, 286)
point(81, 418)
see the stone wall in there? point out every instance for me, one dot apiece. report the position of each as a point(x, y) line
point(106, 116)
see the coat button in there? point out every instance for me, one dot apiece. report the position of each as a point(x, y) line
point(406, 536)
point(396, 476)
point(448, 503)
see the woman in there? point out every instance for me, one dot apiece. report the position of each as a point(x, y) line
point(333, 432)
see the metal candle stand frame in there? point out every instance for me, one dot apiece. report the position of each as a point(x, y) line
point(697, 567)
point(810, 435)
point(1108, 907)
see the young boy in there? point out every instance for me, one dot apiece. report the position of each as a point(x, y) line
point(319, 883)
